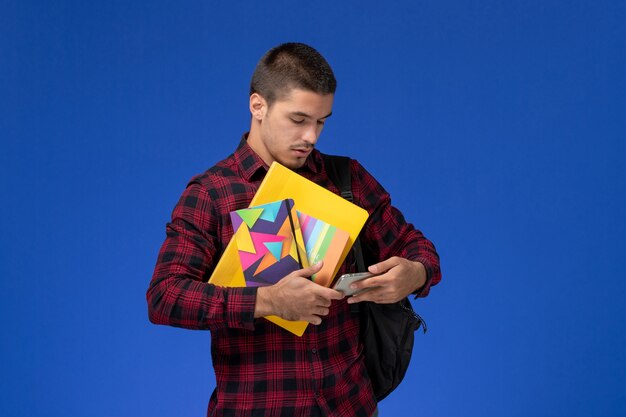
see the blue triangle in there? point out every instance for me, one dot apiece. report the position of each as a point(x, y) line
point(275, 249)
point(270, 211)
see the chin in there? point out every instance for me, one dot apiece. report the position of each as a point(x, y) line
point(293, 163)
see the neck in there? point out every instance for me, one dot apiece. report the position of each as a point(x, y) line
point(255, 142)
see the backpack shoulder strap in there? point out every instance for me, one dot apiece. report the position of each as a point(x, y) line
point(338, 171)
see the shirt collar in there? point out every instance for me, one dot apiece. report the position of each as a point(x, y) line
point(250, 163)
point(313, 163)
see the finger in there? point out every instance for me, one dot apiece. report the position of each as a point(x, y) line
point(323, 302)
point(357, 299)
point(322, 311)
point(377, 295)
point(327, 293)
point(316, 320)
point(364, 295)
point(372, 282)
point(384, 266)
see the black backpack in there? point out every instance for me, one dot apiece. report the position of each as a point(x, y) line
point(386, 330)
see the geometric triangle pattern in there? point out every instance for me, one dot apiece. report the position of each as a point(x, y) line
point(265, 241)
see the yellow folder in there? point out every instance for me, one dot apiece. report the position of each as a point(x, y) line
point(310, 198)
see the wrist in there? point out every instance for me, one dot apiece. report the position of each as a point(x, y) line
point(263, 305)
point(420, 276)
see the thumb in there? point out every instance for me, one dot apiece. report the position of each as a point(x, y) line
point(313, 269)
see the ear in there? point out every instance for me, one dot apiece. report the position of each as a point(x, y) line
point(258, 106)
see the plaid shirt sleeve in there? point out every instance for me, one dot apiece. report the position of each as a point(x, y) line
point(387, 233)
point(178, 294)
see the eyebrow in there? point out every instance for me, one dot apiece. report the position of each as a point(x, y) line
point(299, 113)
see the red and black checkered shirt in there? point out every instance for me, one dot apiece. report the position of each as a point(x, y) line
point(261, 369)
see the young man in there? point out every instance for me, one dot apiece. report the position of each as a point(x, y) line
point(261, 369)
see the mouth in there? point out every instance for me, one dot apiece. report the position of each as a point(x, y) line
point(302, 152)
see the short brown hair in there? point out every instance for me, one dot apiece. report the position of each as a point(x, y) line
point(289, 66)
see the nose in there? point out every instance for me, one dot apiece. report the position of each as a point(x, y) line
point(310, 135)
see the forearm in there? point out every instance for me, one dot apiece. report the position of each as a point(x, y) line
point(185, 302)
point(423, 251)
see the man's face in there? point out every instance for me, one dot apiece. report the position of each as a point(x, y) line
point(289, 129)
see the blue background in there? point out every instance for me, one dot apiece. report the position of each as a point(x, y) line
point(498, 127)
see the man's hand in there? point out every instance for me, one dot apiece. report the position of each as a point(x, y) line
point(396, 278)
point(296, 297)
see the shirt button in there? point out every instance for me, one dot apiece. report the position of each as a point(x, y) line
point(314, 351)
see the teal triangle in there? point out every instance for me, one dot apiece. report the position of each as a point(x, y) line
point(275, 248)
point(270, 211)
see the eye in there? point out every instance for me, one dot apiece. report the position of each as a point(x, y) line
point(321, 122)
point(298, 121)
